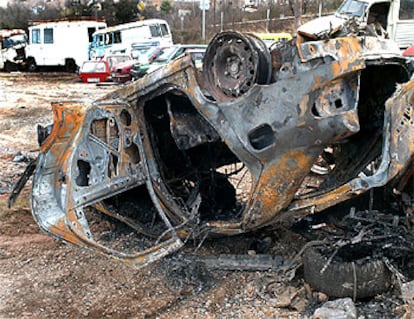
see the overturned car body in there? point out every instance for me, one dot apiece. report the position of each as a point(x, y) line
point(255, 137)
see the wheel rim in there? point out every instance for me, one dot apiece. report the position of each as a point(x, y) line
point(233, 63)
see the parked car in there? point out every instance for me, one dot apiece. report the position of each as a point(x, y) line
point(167, 55)
point(120, 73)
point(116, 59)
point(409, 52)
point(409, 55)
point(94, 71)
point(145, 54)
point(140, 54)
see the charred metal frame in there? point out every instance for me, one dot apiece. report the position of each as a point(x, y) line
point(181, 135)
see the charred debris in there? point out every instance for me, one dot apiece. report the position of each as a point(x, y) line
point(256, 137)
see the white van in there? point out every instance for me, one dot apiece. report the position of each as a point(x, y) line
point(121, 38)
point(58, 43)
point(396, 17)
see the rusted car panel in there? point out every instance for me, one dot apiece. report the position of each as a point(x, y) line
point(183, 153)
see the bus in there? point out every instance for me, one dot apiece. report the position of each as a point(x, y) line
point(121, 38)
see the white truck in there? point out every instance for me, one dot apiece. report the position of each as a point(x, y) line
point(60, 43)
point(123, 37)
point(393, 18)
point(12, 48)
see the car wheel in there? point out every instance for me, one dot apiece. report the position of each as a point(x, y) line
point(337, 278)
point(233, 63)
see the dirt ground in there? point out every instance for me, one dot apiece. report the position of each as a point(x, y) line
point(43, 278)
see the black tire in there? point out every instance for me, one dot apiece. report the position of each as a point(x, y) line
point(31, 65)
point(9, 66)
point(337, 280)
point(70, 66)
point(233, 63)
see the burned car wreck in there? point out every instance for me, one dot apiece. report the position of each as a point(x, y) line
point(256, 137)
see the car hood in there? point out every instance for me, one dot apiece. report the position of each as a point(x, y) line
point(124, 65)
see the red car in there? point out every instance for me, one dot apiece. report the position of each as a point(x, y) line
point(121, 72)
point(94, 71)
point(409, 51)
point(100, 70)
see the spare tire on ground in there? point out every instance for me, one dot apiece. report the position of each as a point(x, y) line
point(338, 278)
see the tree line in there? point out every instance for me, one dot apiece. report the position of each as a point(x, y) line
point(184, 17)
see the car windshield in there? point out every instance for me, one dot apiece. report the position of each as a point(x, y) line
point(353, 8)
point(144, 54)
point(166, 55)
point(117, 59)
point(150, 52)
point(93, 67)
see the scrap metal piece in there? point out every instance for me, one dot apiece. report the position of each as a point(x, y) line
point(181, 155)
point(259, 262)
point(18, 187)
point(340, 308)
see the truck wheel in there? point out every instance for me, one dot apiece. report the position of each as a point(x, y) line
point(31, 65)
point(9, 67)
point(70, 66)
point(337, 278)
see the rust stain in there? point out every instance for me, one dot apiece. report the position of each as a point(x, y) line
point(284, 176)
point(326, 200)
point(60, 229)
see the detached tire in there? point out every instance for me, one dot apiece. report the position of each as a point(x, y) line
point(372, 275)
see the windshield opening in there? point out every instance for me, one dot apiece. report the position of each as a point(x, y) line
point(18, 39)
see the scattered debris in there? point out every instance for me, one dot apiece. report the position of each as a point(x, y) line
point(407, 292)
point(22, 181)
point(19, 157)
point(361, 254)
point(336, 309)
point(250, 262)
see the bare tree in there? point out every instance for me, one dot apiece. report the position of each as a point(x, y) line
point(15, 16)
point(298, 13)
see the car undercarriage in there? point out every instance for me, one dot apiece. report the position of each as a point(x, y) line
point(256, 137)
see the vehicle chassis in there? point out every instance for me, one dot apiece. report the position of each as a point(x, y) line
point(188, 140)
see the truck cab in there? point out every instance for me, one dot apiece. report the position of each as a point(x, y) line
point(392, 19)
point(12, 48)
